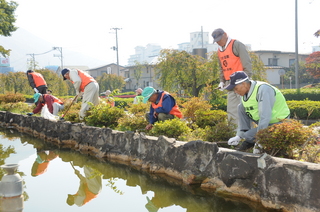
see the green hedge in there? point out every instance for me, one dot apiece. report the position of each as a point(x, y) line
point(304, 109)
point(305, 94)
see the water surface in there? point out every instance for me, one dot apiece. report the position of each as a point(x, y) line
point(63, 180)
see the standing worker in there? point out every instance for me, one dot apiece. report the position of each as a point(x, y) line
point(37, 82)
point(53, 103)
point(163, 106)
point(261, 103)
point(85, 85)
point(233, 56)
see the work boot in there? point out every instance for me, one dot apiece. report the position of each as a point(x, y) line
point(245, 145)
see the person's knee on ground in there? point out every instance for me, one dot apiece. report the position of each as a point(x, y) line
point(163, 116)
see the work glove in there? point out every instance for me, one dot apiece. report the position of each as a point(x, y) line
point(257, 149)
point(221, 86)
point(234, 141)
point(29, 114)
point(36, 90)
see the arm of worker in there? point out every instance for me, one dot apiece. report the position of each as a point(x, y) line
point(31, 81)
point(74, 77)
point(266, 98)
point(49, 100)
point(38, 108)
point(167, 104)
point(152, 118)
point(240, 50)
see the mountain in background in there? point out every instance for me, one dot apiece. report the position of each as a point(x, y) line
point(23, 43)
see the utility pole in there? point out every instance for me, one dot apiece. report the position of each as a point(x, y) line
point(296, 45)
point(116, 48)
point(33, 61)
point(60, 56)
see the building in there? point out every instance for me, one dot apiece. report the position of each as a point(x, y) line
point(276, 61)
point(111, 68)
point(144, 54)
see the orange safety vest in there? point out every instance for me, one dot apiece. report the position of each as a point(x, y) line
point(55, 99)
point(85, 79)
point(38, 79)
point(89, 195)
point(230, 63)
point(174, 111)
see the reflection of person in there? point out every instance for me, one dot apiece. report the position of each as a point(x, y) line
point(233, 56)
point(84, 84)
point(42, 162)
point(109, 99)
point(53, 103)
point(261, 103)
point(163, 106)
point(37, 82)
point(90, 187)
point(138, 98)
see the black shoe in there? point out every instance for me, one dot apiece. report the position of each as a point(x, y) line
point(245, 145)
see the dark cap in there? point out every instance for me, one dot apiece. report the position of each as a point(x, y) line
point(64, 71)
point(237, 78)
point(217, 34)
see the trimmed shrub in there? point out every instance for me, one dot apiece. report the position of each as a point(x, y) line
point(172, 128)
point(131, 122)
point(304, 109)
point(12, 97)
point(103, 115)
point(192, 105)
point(283, 139)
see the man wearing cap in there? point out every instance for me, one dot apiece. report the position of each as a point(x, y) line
point(261, 103)
point(109, 99)
point(37, 82)
point(53, 103)
point(163, 106)
point(138, 98)
point(233, 56)
point(85, 85)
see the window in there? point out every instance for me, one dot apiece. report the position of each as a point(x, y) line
point(291, 61)
point(272, 61)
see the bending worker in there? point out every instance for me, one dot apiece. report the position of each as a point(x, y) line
point(53, 103)
point(261, 103)
point(233, 56)
point(37, 82)
point(163, 106)
point(138, 98)
point(85, 85)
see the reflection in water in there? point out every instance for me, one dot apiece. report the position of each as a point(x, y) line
point(89, 188)
point(156, 191)
point(41, 163)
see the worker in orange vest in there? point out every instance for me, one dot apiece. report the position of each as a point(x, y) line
point(233, 56)
point(53, 103)
point(85, 85)
point(163, 106)
point(37, 82)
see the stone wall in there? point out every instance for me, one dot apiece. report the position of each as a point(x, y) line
point(276, 183)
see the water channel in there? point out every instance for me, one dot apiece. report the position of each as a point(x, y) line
point(63, 180)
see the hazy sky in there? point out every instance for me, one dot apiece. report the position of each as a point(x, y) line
point(84, 25)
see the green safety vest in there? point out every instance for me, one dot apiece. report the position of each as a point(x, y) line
point(280, 108)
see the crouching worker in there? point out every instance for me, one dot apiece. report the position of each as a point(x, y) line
point(261, 103)
point(53, 103)
point(163, 106)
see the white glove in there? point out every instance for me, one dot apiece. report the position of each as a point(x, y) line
point(234, 141)
point(257, 149)
point(36, 90)
point(221, 86)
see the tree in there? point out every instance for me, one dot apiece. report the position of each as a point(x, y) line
point(17, 82)
point(258, 68)
point(138, 70)
point(6, 22)
point(110, 82)
point(313, 64)
point(178, 70)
